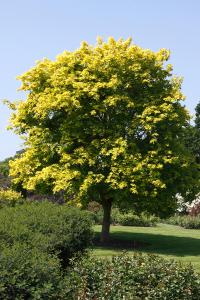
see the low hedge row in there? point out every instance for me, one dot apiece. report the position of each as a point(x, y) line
point(144, 277)
point(189, 222)
point(31, 274)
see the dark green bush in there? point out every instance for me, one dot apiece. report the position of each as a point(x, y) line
point(49, 227)
point(190, 222)
point(36, 242)
point(134, 277)
point(31, 274)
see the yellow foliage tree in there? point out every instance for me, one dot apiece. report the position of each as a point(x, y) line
point(104, 123)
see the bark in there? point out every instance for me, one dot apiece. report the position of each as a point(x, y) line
point(105, 233)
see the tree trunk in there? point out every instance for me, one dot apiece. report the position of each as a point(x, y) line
point(105, 232)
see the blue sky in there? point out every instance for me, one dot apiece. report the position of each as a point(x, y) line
point(34, 29)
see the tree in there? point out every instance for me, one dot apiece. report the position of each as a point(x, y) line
point(4, 174)
point(104, 123)
point(192, 135)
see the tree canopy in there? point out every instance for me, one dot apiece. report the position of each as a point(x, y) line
point(192, 136)
point(104, 123)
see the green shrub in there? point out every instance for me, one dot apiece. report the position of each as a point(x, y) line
point(189, 222)
point(31, 274)
point(130, 219)
point(97, 217)
point(134, 277)
point(116, 216)
point(126, 218)
point(49, 227)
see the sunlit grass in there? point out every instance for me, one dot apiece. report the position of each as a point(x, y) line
point(168, 241)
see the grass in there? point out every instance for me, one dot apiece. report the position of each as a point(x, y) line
point(168, 241)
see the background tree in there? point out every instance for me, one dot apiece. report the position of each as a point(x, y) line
point(192, 135)
point(104, 123)
point(4, 174)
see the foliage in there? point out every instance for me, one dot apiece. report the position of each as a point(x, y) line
point(144, 220)
point(5, 181)
point(192, 135)
point(4, 166)
point(49, 227)
point(36, 242)
point(126, 218)
point(187, 221)
point(9, 197)
point(134, 277)
point(94, 207)
point(104, 122)
point(98, 217)
point(192, 142)
point(28, 273)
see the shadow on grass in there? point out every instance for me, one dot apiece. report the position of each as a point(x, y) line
point(157, 243)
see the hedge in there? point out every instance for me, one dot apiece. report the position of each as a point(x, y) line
point(145, 277)
point(51, 228)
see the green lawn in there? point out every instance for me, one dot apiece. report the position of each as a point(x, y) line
point(166, 240)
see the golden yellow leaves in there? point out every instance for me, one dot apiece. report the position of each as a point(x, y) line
point(107, 115)
point(163, 54)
